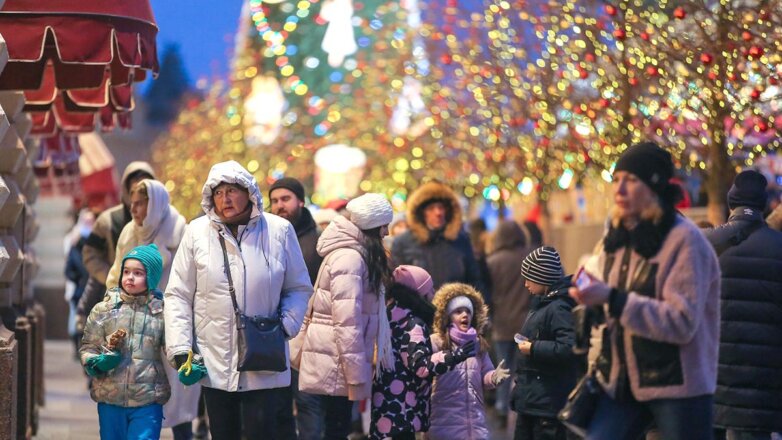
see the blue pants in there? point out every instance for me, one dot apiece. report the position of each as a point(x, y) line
point(675, 419)
point(139, 423)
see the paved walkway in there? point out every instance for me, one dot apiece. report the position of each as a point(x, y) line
point(70, 414)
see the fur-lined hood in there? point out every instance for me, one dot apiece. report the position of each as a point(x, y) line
point(446, 293)
point(419, 198)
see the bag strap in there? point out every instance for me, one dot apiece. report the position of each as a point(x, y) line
point(227, 269)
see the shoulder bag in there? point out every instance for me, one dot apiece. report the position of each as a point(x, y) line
point(261, 340)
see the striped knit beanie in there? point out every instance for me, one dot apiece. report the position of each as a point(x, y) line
point(542, 266)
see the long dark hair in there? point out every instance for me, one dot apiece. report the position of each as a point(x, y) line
point(376, 259)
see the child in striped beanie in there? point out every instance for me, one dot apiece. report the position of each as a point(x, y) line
point(547, 369)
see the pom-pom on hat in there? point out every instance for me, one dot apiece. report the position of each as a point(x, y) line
point(150, 257)
point(416, 279)
point(542, 266)
point(749, 189)
point(370, 211)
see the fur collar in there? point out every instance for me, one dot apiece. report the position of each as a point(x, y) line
point(415, 218)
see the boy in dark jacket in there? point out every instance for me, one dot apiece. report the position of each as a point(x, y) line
point(547, 369)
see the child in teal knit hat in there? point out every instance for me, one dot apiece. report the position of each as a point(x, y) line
point(121, 350)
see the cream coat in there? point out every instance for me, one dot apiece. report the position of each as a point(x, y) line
point(164, 226)
point(268, 272)
point(338, 347)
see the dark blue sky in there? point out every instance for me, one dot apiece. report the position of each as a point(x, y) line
point(204, 30)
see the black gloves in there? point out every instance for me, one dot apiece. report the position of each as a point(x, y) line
point(462, 353)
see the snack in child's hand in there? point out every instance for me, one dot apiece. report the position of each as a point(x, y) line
point(116, 338)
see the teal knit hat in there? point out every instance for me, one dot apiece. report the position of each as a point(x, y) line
point(150, 257)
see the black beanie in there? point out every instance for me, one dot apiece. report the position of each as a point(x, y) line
point(290, 184)
point(650, 163)
point(749, 189)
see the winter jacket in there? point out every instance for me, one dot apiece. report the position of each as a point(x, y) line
point(667, 314)
point(446, 254)
point(164, 226)
point(457, 396)
point(545, 377)
point(509, 298)
point(99, 250)
point(749, 380)
point(338, 347)
point(139, 378)
point(102, 241)
point(269, 277)
point(75, 271)
point(400, 398)
point(307, 232)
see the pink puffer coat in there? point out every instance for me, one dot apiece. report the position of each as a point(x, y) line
point(339, 343)
point(457, 399)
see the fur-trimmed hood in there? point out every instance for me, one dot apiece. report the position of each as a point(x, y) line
point(422, 196)
point(446, 293)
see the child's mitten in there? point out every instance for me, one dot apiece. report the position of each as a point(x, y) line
point(500, 374)
point(102, 363)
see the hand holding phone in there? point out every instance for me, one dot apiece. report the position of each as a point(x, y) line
point(583, 279)
point(519, 338)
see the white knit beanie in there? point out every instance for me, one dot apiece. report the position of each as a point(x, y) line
point(370, 211)
point(459, 301)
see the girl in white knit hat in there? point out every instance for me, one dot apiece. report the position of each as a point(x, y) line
point(346, 321)
point(457, 396)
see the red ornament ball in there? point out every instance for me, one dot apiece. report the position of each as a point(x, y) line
point(651, 71)
point(755, 51)
point(706, 58)
point(679, 13)
point(755, 94)
point(746, 35)
point(610, 10)
point(620, 34)
point(446, 58)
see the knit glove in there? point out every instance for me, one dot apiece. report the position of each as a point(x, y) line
point(193, 370)
point(102, 363)
point(462, 353)
point(500, 374)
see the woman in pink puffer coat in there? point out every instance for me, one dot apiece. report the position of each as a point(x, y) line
point(457, 396)
point(346, 317)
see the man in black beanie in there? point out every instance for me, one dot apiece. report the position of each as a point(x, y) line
point(286, 196)
point(748, 400)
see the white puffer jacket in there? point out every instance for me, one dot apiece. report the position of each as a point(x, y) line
point(268, 272)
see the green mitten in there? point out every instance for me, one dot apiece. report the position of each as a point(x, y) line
point(103, 363)
point(196, 373)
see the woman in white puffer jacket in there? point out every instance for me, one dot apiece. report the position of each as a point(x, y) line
point(269, 276)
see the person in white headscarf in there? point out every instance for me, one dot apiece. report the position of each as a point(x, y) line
point(156, 221)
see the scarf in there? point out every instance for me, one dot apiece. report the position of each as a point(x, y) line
point(385, 353)
point(242, 219)
point(163, 226)
point(459, 337)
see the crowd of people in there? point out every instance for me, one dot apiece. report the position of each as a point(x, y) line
point(411, 320)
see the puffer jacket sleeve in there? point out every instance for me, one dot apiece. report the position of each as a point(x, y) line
point(93, 337)
point(562, 328)
point(690, 281)
point(296, 287)
point(346, 289)
point(178, 310)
